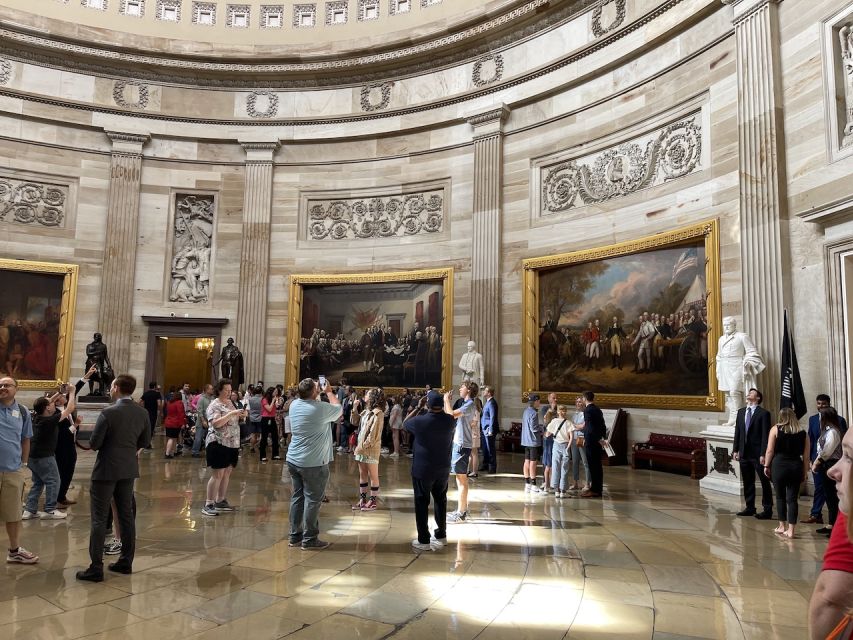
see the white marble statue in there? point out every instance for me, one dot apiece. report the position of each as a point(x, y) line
point(471, 364)
point(738, 365)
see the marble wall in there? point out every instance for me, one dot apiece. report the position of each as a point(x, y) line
point(680, 62)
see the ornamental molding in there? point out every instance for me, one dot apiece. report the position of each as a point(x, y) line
point(252, 104)
point(498, 114)
point(565, 181)
point(374, 214)
point(367, 103)
point(477, 78)
point(120, 92)
point(193, 228)
point(33, 202)
point(5, 71)
point(598, 29)
point(133, 138)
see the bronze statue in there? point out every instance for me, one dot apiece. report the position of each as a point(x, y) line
point(96, 356)
point(232, 364)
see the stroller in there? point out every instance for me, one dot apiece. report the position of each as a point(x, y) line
point(187, 436)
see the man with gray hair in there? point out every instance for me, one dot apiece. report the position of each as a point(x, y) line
point(738, 365)
point(308, 458)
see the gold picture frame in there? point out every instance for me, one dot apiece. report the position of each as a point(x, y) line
point(533, 269)
point(295, 311)
point(70, 274)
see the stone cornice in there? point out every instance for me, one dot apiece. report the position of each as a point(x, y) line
point(498, 114)
point(829, 213)
point(127, 143)
point(260, 152)
point(745, 9)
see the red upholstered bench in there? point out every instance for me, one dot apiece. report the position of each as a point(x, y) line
point(669, 452)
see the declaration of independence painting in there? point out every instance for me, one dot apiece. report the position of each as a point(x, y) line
point(634, 322)
point(381, 333)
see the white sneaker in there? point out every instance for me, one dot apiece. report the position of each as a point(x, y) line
point(420, 546)
point(53, 515)
point(383, 450)
point(438, 542)
point(526, 488)
point(534, 489)
point(394, 455)
point(29, 515)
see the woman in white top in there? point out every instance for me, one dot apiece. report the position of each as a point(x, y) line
point(577, 450)
point(561, 429)
point(396, 420)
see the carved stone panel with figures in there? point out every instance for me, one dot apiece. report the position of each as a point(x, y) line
point(192, 246)
point(838, 72)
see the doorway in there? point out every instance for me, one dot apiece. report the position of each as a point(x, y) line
point(182, 350)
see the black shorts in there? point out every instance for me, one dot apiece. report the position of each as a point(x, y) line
point(532, 453)
point(219, 456)
point(173, 432)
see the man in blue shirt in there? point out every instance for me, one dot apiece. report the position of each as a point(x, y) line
point(823, 401)
point(531, 440)
point(466, 415)
point(432, 441)
point(308, 459)
point(16, 430)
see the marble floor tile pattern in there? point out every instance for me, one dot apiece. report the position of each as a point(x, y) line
point(656, 558)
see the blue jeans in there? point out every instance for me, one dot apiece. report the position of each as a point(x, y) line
point(45, 476)
point(200, 437)
point(560, 466)
point(819, 496)
point(579, 455)
point(309, 487)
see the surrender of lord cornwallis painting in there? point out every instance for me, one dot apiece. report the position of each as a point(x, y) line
point(385, 329)
point(636, 322)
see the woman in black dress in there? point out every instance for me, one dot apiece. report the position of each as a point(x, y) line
point(786, 464)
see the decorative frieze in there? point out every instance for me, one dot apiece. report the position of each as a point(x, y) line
point(368, 10)
point(399, 6)
point(671, 152)
point(337, 12)
point(304, 15)
point(262, 104)
point(493, 65)
point(204, 13)
point(192, 243)
point(375, 97)
point(133, 8)
point(32, 203)
point(272, 16)
point(616, 6)
point(238, 16)
point(169, 10)
point(123, 90)
point(5, 71)
point(378, 216)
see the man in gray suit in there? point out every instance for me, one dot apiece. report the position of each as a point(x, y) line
point(122, 430)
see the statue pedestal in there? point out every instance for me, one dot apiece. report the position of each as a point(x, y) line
point(88, 413)
point(723, 472)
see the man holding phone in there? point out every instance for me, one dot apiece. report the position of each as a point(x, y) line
point(308, 458)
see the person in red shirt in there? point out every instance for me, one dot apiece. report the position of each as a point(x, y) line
point(832, 598)
point(175, 420)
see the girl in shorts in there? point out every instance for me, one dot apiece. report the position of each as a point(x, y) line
point(366, 451)
point(222, 447)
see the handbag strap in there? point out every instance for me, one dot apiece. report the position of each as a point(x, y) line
point(560, 427)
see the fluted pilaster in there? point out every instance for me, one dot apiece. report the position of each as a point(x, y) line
point(762, 198)
point(255, 257)
point(115, 314)
point(486, 237)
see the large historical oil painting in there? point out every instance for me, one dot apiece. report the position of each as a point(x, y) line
point(389, 330)
point(36, 318)
point(635, 322)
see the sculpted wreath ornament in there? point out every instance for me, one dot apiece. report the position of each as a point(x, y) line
point(31, 203)
point(381, 217)
point(675, 152)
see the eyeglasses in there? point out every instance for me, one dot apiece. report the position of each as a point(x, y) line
point(7, 385)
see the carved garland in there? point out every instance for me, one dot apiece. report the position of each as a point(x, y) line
point(367, 105)
point(32, 202)
point(5, 71)
point(118, 94)
point(379, 217)
point(272, 108)
point(476, 75)
point(675, 151)
point(597, 29)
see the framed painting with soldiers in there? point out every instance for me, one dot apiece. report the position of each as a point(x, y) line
point(635, 322)
point(381, 329)
point(36, 321)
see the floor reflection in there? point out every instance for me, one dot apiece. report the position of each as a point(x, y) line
point(655, 559)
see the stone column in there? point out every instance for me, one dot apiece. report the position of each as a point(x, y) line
point(764, 242)
point(486, 238)
point(255, 258)
point(115, 315)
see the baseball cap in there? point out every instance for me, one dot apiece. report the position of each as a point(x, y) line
point(533, 397)
point(434, 400)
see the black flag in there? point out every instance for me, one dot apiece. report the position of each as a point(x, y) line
point(792, 387)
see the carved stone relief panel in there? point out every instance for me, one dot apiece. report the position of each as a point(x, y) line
point(32, 202)
point(394, 212)
point(375, 97)
point(664, 154)
point(5, 71)
point(838, 69)
point(192, 245)
point(487, 70)
point(607, 16)
point(131, 94)
point(262, 104)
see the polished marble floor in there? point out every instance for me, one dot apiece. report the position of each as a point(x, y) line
point(656, 559)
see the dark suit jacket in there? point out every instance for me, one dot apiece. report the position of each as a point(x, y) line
point(121, 430)
point(489, 421)
point(753, 445)
point(594, 427)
